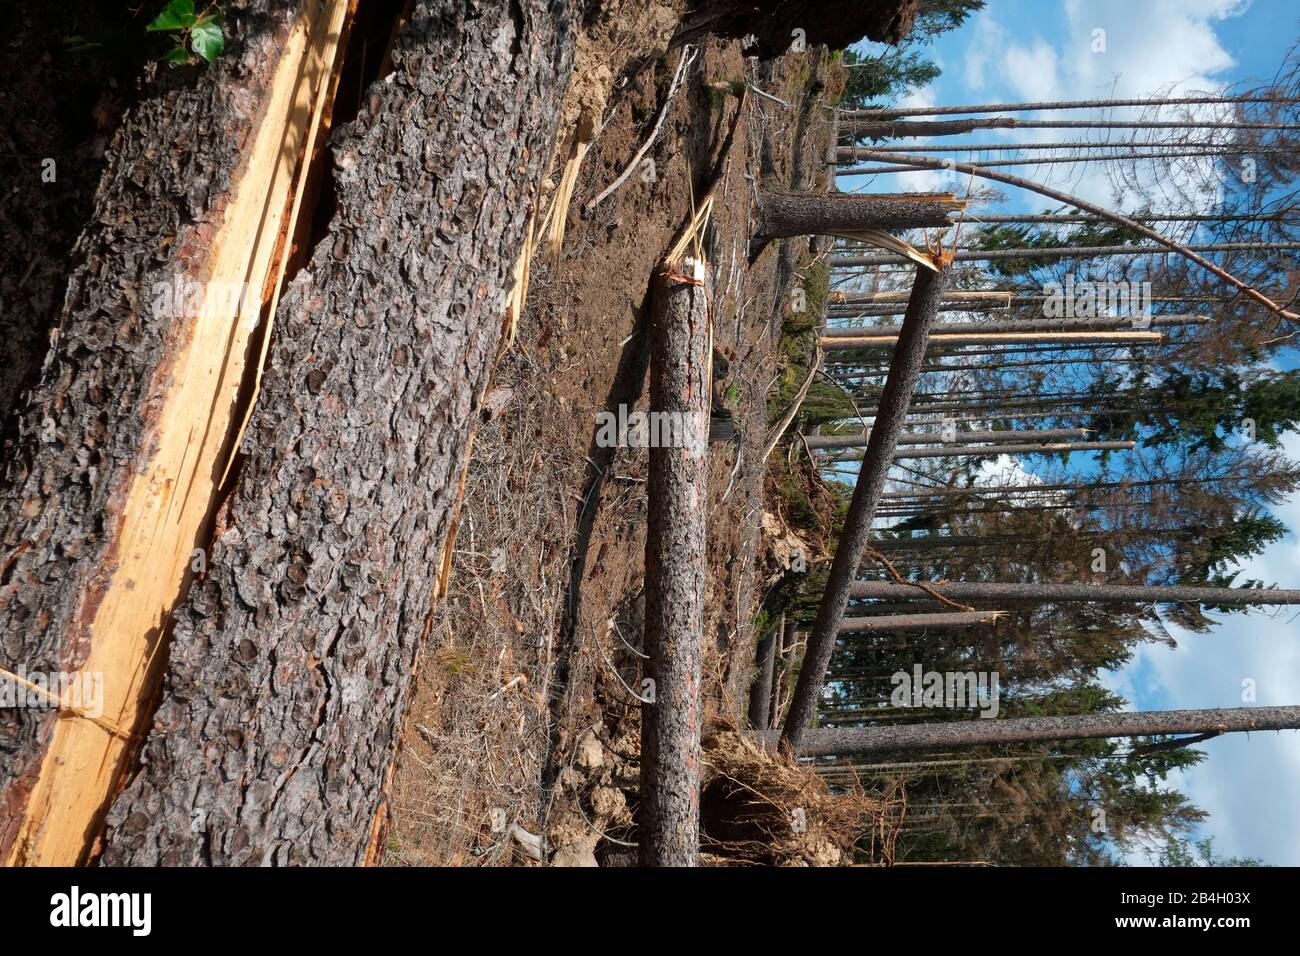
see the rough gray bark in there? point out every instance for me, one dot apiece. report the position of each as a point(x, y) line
point(676, 545)
point(1051, 448)
point(917, 622)
point(1103, 593)
point(83, 431)
point(909, 354)
point(844, 741)
point(860, 439)
point(760, 692)
point(291, 660)
point(808, 214)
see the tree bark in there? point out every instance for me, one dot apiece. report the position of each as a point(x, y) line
point(1059, 252)
point(291, 660)
point(918, 622)
point(781, 215)
point(1053, 448)
point(1058, 105)
point(1023, 325)
point(909, 355)
point(1100, 593)
point(902, 129)
point(77, 513)
point(860, 439)
point(845, 741)
point(1084, 339)
point(760, 692)
point(676, 546)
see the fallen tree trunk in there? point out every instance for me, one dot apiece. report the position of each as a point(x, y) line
point(1022, 325)
point(1051, 448)
point(1103, 593)
point(846, 260)
point(860, 439)
point(845, 741)
point(919, 622)
point(676, 545)
point(904, 370)
point(781, 215)
point(291, 658)
point(111, 484)
point(993, 338)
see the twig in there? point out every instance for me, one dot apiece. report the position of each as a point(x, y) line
point(688, 57)
point(769, 96)
point(872, 553)
point(793, 410)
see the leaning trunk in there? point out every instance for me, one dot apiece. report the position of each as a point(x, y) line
point(904, 370)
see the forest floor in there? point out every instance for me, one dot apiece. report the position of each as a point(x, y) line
point(523, 713)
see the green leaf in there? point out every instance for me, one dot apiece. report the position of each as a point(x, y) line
point(178, 55)
point(177, 15)
point(207, 41)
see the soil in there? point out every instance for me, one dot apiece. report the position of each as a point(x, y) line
point(524, 714)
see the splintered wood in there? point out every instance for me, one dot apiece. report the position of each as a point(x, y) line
point(169, 504)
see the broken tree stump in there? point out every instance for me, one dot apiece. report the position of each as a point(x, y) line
point(675, 571)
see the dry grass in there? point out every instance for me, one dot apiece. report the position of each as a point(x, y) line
point(477, 730)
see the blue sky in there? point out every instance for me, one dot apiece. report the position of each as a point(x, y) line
point(1020, 50)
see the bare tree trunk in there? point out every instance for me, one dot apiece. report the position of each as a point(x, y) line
point(1022, 325)
point(902, 129)
point(1100, 593)
point(760, 693)
point(1062, 486)
point(918, 622)
point(1059, 105)
point(1084, 339)
point(1058, 252)
point(674, 571)
point(808, 214)
point(108, 486)
point(844, 741)
point(292, 658)
point(1054, 448)
point(909, 355)
point(860, 439)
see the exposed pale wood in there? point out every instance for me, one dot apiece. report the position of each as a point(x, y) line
point(169, 503)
